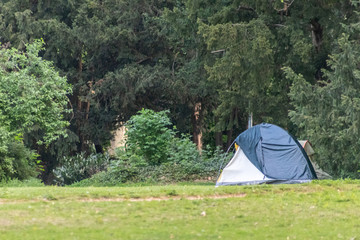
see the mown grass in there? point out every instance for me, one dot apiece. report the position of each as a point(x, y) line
point(319, 210)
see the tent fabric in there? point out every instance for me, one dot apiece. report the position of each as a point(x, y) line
point(307, 147)
point(240, 169)
point(273, 152)
point(321, 174)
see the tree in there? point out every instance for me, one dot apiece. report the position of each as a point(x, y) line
point(328, 112)
point(121, 56)
point(193, 95)
point(243, 71)
point(299, 34)
point(33, 96)
point(33, 102)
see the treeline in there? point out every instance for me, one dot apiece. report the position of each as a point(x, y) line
point(210, 63)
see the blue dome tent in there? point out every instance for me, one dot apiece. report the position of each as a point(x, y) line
point(267, 153)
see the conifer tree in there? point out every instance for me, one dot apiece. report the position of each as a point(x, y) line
point(328, 112)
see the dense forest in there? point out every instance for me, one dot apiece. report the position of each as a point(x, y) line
point(207, 64)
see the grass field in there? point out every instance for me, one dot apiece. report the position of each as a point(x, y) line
point(318, 210)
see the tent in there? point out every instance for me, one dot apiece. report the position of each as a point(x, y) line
point(267, 153)
point(321, 174)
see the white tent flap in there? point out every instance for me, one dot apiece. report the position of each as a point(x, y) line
point(240, 170)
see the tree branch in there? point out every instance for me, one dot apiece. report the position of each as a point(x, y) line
point(71, 106)
point(142, 60)
point(217, 51)
point(278, 25)
point(287, 5)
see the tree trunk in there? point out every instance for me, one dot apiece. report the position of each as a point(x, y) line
point(81, 113)
point(196, 122)
point(316, 34)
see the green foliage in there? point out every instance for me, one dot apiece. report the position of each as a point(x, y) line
point(244, 70)
point(186, 164)
point(328, 113)
point(148, 135)
point(190, 86)
point(195, 167)
point(33, 97)
point(76, 168)
point(117, 173)
point(18, 162)
point(121, 56)
point(120, 94)
point(154, 154)
point(182, 150)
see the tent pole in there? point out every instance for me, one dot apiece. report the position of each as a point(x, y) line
point(250, 120)
point(222, 162)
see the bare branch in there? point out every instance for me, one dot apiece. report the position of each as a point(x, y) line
point(71, 106)
point(142, 60)
point(290, 3)
point(279, 25)
point(217, 51)
point(286, 6)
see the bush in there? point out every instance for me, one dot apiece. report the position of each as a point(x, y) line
point(183, 163)
point(153, 154)
point(183, 150)
point(23, 161)
point(148, 136)
point(16, 161)
point(76, 168)
point(186, 165)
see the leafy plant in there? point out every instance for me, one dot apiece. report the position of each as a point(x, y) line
point(183, 150)
point(148, 136)
point(33, 96)
point(33, 101)
point(186, 164)
point(79, 167)
point(152, 154)
point(16, 161)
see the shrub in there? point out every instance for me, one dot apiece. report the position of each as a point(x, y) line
point(153, 154)
point(148, 135)
point(16, 161)
point(76, 168)
point(23, 161)
point(183, 150)
point(186, 165)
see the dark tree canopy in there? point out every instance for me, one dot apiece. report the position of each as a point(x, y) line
point(210, 62)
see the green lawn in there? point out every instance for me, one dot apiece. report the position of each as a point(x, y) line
point(319, 210)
